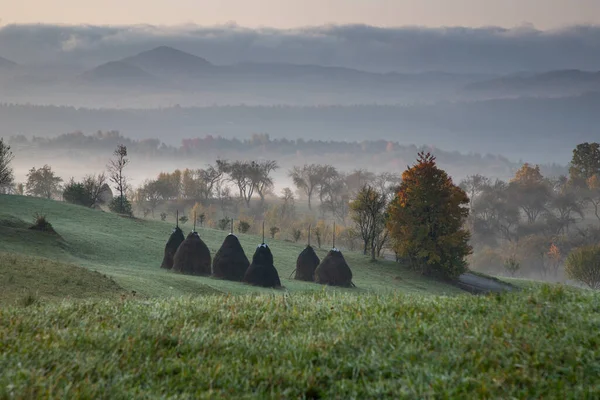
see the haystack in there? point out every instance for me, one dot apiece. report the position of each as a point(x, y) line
point(230, 262)
point(334, 270)
point(306, 264)
point(192, 257)
point(262, 272)
point(171, 247)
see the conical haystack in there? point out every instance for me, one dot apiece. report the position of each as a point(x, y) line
point(230, 262)
point(262, 272)
point(334, 270)
point(192, 257)
point(306, 264)
point(171, 247)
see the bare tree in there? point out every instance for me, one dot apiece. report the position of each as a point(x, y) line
point(241, 175)
point(387, 183)
point(368, 212)
point(94, 185)
point(307, 179)
point(261, 176)
point(116, 167)
point(6, 172)
point(288, 208)
point(474, 185)
point(150, 195)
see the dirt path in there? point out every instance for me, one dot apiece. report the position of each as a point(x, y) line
point(477, 284)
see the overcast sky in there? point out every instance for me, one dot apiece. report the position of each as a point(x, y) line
point(544, 14)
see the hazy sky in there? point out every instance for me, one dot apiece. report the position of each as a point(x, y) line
point(543, 14)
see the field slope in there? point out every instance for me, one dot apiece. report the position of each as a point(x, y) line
point(130, 251)
point(540, 343)
point(397, 335)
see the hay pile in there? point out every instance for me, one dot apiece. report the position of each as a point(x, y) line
point(262, 272)
point(306, 264)
point(334, 270)
point(192, 257)
point(171, 247)
point(230, 262)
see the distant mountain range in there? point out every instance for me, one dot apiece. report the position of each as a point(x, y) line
point(165, 76)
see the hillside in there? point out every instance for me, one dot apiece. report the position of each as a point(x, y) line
point(118, 72)
point(388, 338)
point(27, 279)
point(130, 251)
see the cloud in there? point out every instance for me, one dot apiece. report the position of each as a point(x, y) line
point(457, 49)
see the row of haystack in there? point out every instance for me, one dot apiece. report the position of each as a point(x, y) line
point(333, 270)
point(191, 256)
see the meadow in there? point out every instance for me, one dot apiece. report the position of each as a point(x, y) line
point(71, 326)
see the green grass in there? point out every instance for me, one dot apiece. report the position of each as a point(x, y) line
point(130, 251)
point(539, 343)
point(397, 335)
point(29, 280)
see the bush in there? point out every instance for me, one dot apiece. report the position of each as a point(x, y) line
point(243, 227)
point(512, 265)
point(183, 220)
point(119, 207)
point(163, 216)
point(40, 223)
point(223, 223)
point(274, 231)
point(76, 193)
point(583, 265)
point(296, 234)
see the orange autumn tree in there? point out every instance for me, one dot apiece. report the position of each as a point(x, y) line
point(426, 220)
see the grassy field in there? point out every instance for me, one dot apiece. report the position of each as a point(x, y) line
point(540, 343)
point(70, 326)
point(130, 251)
point(29, 279)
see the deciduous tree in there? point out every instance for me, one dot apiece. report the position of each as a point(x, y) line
point(6, 172)
point(426, 220)
point(116, 167)
point(585, 162)
point(42, 182)
point(367, 211)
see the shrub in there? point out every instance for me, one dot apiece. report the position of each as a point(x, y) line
point(40, 223)
point(123, 208)
point(76, 193)
point(296, 234)
point(163, 216)
point(512, 265)
point(223, 223)
point(273, 231)
point(183, 220)
point(583, 265)
point(243, 227)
